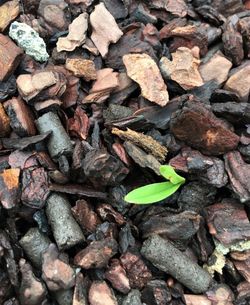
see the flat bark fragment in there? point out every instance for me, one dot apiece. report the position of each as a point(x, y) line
point(183, 69)
point(9, 188)
point(106, 81)
point(77, 34)
point(10, 57)
point(104, 29)
point(149, 144)
point(227, 222)
point(82, 68)
point(4, 122)
point(239, 175)
point(143, 70)
point(217, 67)
point(200, 128)
point(239, 81)
point(8, 12)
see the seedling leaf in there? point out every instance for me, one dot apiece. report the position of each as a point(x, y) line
point(168, 172)
point(152, 193)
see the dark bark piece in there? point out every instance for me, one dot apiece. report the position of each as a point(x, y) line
point(227, 222)
point(24, 143)
point(85, 216)
point(4, 123)
point(220, 95)
point(59, 142)
point(35, 187)
point(10, 57)
point(211, 15)
point(56, 273)
point(198, 127)
point(97, 166)
point(66, 230)
point(126, 238)
point(116, 275)
point(163, 255)
point(142, 158)
point(77, 189)
point(34, 244)
point(156, 293)
point(10, 188)
point(236, 113)
point(5, 288)
point(176, 227)
point(137, 271)
point(21, 117)
point(189, 36)
point(195, 196)
point(232, 41)
point(210, 170)
point(117, 8)
point(80, 296)
point(239, 175)
point(101, 294)
point(8, 257)
point(79, 125)
point(32, 290)
point(7, 88)
point(130, 42)
point(64, 297)
point(116, 112)
point(142, 14)
point(244, 28)
point(97, 254)
point(107, 213)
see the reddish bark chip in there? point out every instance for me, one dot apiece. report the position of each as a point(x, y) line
point(9, 188)
point(10, 56)
point(200, 128)
point(101, 294)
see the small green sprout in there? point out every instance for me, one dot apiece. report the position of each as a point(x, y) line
point(157, 191)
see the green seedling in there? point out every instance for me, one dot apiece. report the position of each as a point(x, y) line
point(155, 192)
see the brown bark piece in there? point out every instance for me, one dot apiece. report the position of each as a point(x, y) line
point(189, 36)
point(101, 294)
point(104, 29)
point(4, 122)
point(85, 216)
point(10, 57)
point(97, 254)
point(77, 34)
point(192, 299)
point(82, 68)
point(239, 81)
point(143, 70)
point(241, 261)
point(8, 12)
point(227, 222)
point(200, 128)
point(183, 69)
point(79, 125)
point(117, 277)
point(176, 7)
point(137, 271)
point(29, 86)
point(217, 67)
point(146, 142)
point(9, 187)
point(56, 273)
point(106, 82)
point(21, 117)
point(239, 175)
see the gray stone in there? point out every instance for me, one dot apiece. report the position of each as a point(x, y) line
point(29, 40)
point(133, 298)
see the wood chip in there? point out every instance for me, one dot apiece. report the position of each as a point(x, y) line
point(146, 142)
point(9, 187)
point(143, 70)
point(8, 12)
point(4, 122)
point(106, 82)
point(77, 34)
point(183, 69)
point(104, 29)
point(82, 68)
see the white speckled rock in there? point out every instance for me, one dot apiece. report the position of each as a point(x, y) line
point(29, 40)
